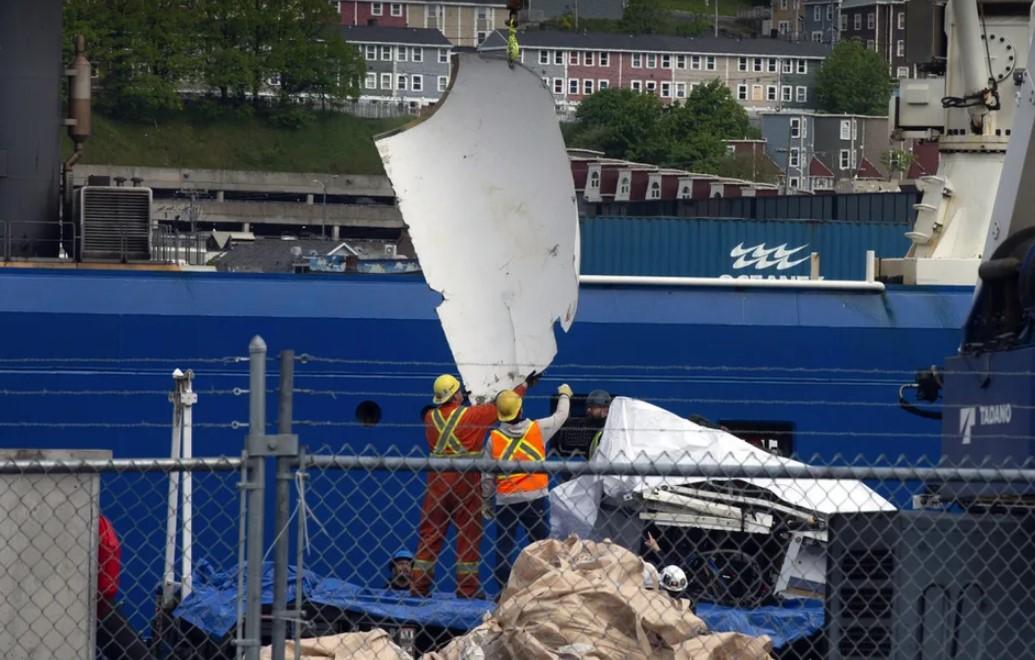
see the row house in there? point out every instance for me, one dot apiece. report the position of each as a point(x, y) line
point(463, 22)
point(821, 21)
point(763, 74)
point(788, 19)
point(881, 25)
point(408, 66)
point(599, 179)
point(819, 152)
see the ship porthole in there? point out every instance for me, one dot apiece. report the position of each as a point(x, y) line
point(368, 413)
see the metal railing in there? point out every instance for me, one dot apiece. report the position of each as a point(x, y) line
point(38, 240)
point(169, 246)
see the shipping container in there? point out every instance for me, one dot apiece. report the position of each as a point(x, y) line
point(717, 247)
point(855, 207)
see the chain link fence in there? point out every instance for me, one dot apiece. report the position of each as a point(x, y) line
point(635, 534)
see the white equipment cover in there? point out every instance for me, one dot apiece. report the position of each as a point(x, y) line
point(484, 185)
point(637, 431)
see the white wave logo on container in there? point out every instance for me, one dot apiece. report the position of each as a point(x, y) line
point(760, 257)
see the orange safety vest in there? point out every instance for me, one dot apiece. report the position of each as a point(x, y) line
point(448, 444)
point(529, 447)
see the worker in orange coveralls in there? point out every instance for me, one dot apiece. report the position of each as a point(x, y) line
point(454, 430)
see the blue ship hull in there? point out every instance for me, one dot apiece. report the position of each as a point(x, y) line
point(828, 363)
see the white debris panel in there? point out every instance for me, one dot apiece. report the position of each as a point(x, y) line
point(484, 185)
point(639, 431)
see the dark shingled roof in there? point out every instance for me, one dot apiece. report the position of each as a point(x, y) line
point(377, 34)
point(659, 44)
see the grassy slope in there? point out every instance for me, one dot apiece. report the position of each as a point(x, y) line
point(333, 142)
point(726, 7)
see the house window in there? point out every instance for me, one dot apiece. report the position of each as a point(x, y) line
point(417, 55)
point(771, 92)
point(594, 179)
point(652, 61)
point(417, 83)
point(637, 60)
point(787, 93)
point(792, 160)
point(544, 57)
point(402, 54)
point(396, 9)
point(435, 17)
point(783, 27)
point(817, 13)
point(573, 58)
point(901, 19)
point(573, 87)
point(846, 129)
point(377, 9)
point(871, 21)
point(795, 127)
point(803, 66)
point(602, 84)
point(401, 82)
point(742, 92)
point(386, 81)
point(783, 4)
point(900, 48)
point(651, 86)
point(587, 87)
point(655, 190)
point(666, 90)
point(666, 61)
point(604, 59)
point(443, 56)
point(759, 65)
point(558, 85)
point(443, 81)
point(817, 36)
point(623, 186)
point(756, 92)
point(788, 66)
point(386, 53)
point(742, 64)
point(680, 90)
point(370, 53)
point(709, 63)
point(684, 192)
point(844, 22)
point(843, 159)
point(371, 81)
point(801, 94)
point(793, 183)
point(772, 64)
point(903, 72)
point(871, 44)
point(681, 61)
point(636, 86)
point(558, 57)
point(830, 12)
point(857, 21)
point(695, 62)
point(589, 58)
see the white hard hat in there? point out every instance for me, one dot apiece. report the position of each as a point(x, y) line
point(673, 579)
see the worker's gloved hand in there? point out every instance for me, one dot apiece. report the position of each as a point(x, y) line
point(532, 379)
point(564, 390)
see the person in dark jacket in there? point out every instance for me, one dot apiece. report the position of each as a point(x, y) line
point(116, 638)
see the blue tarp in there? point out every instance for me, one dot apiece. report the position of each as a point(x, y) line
point(785, 623)
point(212, 607)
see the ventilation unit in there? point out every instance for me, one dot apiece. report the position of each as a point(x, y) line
point(115, 223)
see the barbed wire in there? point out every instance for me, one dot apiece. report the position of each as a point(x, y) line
point(230, 359)
point(120, 425)
point(48, 392)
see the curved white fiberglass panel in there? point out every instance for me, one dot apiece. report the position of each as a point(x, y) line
point(485, 187)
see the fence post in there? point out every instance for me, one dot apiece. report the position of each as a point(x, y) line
point(280, 557)
point(256, 495)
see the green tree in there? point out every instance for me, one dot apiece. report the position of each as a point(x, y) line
point(619, 122)
point(697, 128)
point(853, 79)
point(643, 17)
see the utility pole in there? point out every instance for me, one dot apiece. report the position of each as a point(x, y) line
point(323, 218)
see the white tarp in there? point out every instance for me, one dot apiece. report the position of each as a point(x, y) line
point(639, 431)
point(484, 185)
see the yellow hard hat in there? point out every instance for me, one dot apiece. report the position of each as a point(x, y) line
point(446, 386)
point(508, 405)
